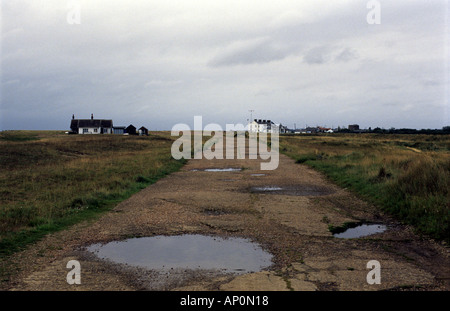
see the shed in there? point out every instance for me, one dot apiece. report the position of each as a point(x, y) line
point(119, 130)
point(143, 131)
point(131, 130)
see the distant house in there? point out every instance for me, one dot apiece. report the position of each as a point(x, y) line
point(283, 129)
point(353, 127)
point(263, 126)
point(119, 130)
point(143, 131)
point(131, 130)
point(321, 129)
point(91, 126)
point(311, 130)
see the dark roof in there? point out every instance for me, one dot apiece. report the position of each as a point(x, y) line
point(143, 128)
point(263, 121)
point(77, 123)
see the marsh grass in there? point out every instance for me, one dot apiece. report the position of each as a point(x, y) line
point(405, 175)
point(52, 180)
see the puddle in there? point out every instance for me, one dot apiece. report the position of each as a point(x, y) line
point(258, 175)
point(292, 190)
point(215, 212)
point(235, 255)
point(262, 189)
point(361, 230)
point(228, 169)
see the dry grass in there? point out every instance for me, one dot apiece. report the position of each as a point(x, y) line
point(47, 178)
point(407, 175)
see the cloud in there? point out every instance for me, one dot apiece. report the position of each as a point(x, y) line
point(318, 55)
point(254, 51)
point(325, 54)
point(158, 63)
point(346, 55)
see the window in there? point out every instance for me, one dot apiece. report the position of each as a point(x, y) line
point(95, 130)
point(85, 131)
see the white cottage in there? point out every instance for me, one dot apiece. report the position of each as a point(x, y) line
point(91, 126)
point(263, 126)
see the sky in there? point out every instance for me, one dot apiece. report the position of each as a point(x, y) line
point(160, 63)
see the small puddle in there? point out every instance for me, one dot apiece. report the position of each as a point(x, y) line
point(258, 175)
point(292, 190)
point(214, 212)
point(228, 169)
point(262, 189)
point(234, 255)
point(361, 230)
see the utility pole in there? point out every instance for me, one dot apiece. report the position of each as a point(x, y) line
point(251, 120)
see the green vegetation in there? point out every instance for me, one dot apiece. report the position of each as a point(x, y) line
point(405, 175)
point(50, 180)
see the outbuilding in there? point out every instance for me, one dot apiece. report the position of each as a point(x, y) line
point(143, 131)
point(131, 130)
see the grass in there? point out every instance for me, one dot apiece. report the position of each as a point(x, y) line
point(405, 175)
point(50, 180)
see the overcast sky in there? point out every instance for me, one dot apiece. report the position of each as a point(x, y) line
point(159, 63)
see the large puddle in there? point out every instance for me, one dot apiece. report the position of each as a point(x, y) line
point(234, 255)
point(292, 190)
point(360, 231)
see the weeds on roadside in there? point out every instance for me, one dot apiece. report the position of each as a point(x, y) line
point(54, 181)
point(412, 184)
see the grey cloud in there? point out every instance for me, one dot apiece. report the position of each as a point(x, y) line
point(256, 51)
point(318, 55)
point(346, 55)
point(159, 63)
point(325, 54)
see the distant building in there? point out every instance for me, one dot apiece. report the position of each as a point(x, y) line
point(143, 131)
point(283, 129)
point(91, 126)
point(131, 130)
point(324, 129)
point(310, 130)
point(263, 126)
point(353, 127)
point(119, 130)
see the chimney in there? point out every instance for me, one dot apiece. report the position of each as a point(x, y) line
point(73, 117)
point(92, 116)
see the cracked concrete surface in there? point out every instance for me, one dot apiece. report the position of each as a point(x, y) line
point(294, 228)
